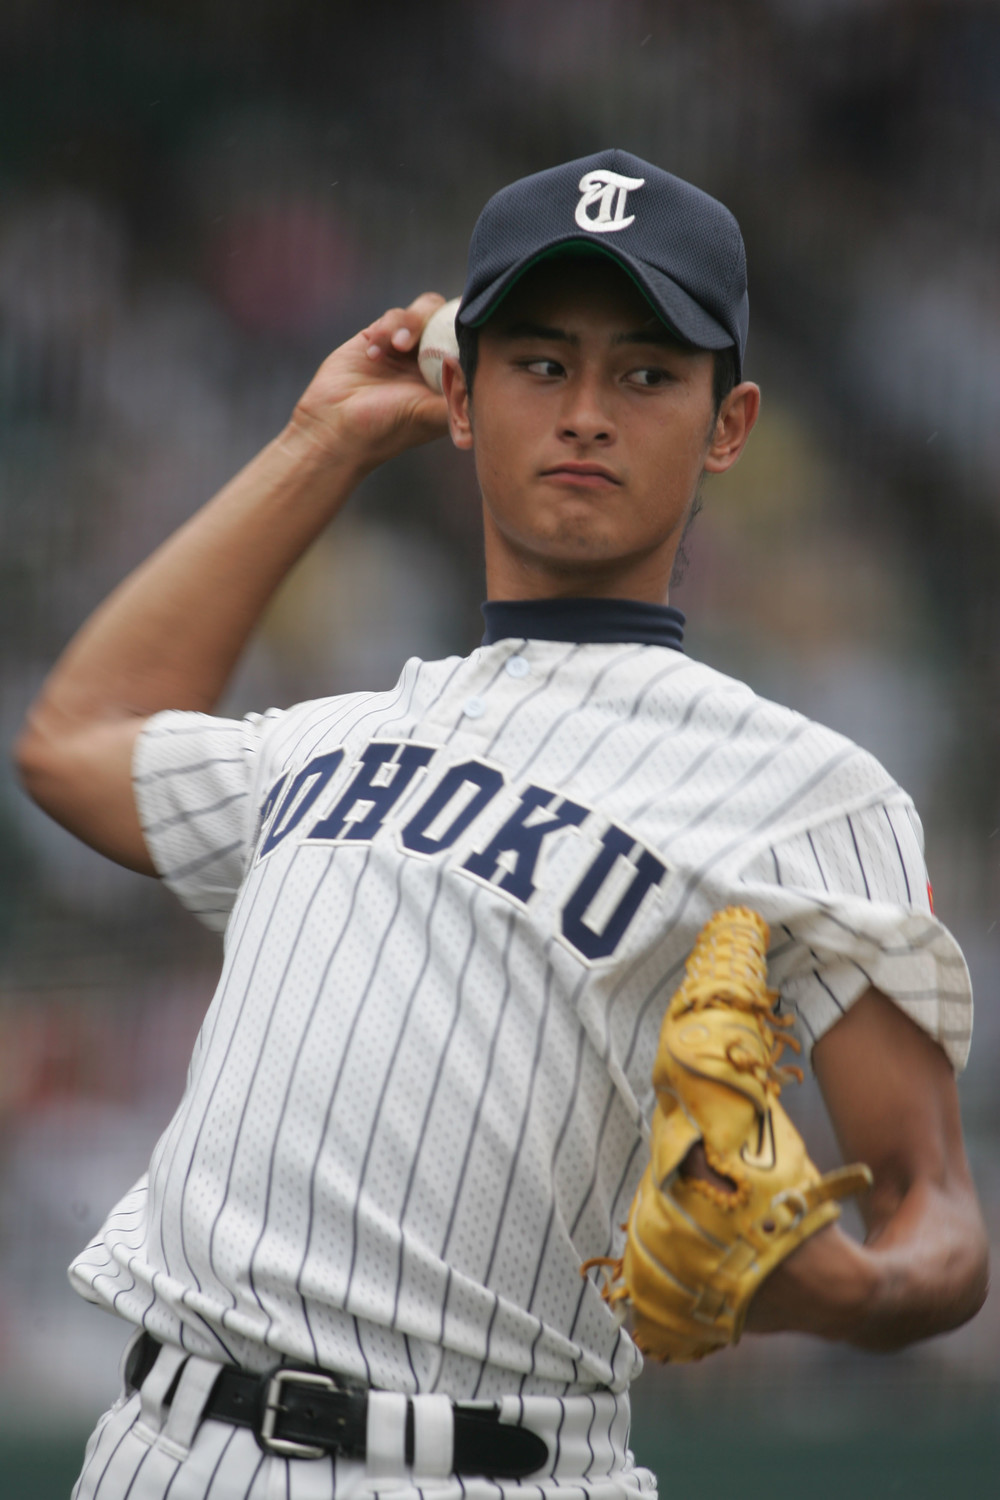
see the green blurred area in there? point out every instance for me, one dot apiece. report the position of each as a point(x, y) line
point(786, 1443)
point(701, 1464)
point(39, 1468)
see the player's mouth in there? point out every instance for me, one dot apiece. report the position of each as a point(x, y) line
point(582, 475)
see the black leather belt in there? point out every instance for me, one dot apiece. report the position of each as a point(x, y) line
point(301, 1413)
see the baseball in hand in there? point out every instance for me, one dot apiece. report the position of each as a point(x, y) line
point(438, 342)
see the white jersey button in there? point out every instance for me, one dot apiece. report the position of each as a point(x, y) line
point(474, 708)
point(517, 667)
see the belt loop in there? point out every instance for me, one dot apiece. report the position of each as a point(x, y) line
point(385, 1436)
point(433, 1437)
point(155, 1389)
point(193, 1390)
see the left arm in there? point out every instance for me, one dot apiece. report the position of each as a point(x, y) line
point(923, 1267)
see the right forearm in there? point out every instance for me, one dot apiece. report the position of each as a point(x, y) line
point(171, 633)
point(169, 637)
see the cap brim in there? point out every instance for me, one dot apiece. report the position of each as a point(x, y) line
point(669, 301)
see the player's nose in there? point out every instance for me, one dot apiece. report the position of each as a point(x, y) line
point(585, 416)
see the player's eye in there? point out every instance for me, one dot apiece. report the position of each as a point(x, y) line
point(648, 375)
point(550, 368)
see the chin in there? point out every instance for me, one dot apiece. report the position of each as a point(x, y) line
point(591, 568)
point(575, 538)
point(573, 552)
point(581, 543)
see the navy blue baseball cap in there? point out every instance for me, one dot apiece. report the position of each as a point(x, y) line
point(682, 248)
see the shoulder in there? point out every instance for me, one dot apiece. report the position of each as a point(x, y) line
point(763, 722)
point(776, 771)
point(298, 733)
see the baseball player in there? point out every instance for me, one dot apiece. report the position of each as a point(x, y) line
point(455, 911)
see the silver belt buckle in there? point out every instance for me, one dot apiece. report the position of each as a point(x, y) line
point(272, 1406)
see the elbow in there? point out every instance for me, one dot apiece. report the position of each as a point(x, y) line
point(81, 776)
point(974, 1285)
point(963, 1270)
point(923, 1292)
point(33, 759)
point(47, 758)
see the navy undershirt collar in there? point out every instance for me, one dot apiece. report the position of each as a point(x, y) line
point(586, 621)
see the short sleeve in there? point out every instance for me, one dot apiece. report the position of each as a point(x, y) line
point(193, 776)
point(849, 906)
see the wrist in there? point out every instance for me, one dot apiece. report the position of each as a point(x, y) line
point(325, 447)
point(855, 1292)
point(827, 1287)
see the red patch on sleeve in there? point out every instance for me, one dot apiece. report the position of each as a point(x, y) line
point(930, 894)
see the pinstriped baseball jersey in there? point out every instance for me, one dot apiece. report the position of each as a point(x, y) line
point(454, 914)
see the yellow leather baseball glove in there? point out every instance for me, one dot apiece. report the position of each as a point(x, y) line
point(697, 1250)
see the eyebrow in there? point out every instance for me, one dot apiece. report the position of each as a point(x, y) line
point(657, 334)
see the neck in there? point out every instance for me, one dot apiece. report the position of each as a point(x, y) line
point(513, 574)
point(597, 621)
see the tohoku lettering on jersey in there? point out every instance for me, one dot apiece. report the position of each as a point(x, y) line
point(455, 912)
point(593, 915)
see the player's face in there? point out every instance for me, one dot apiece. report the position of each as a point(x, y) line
point(591, 428)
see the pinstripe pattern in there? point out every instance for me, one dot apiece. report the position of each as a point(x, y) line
point(421, 1094)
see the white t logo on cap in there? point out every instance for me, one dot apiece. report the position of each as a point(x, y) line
point(609, 191)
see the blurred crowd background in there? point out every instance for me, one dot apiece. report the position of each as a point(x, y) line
point(198, 198)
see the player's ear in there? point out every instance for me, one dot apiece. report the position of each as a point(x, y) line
point(456, 393)
point(733, 426)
